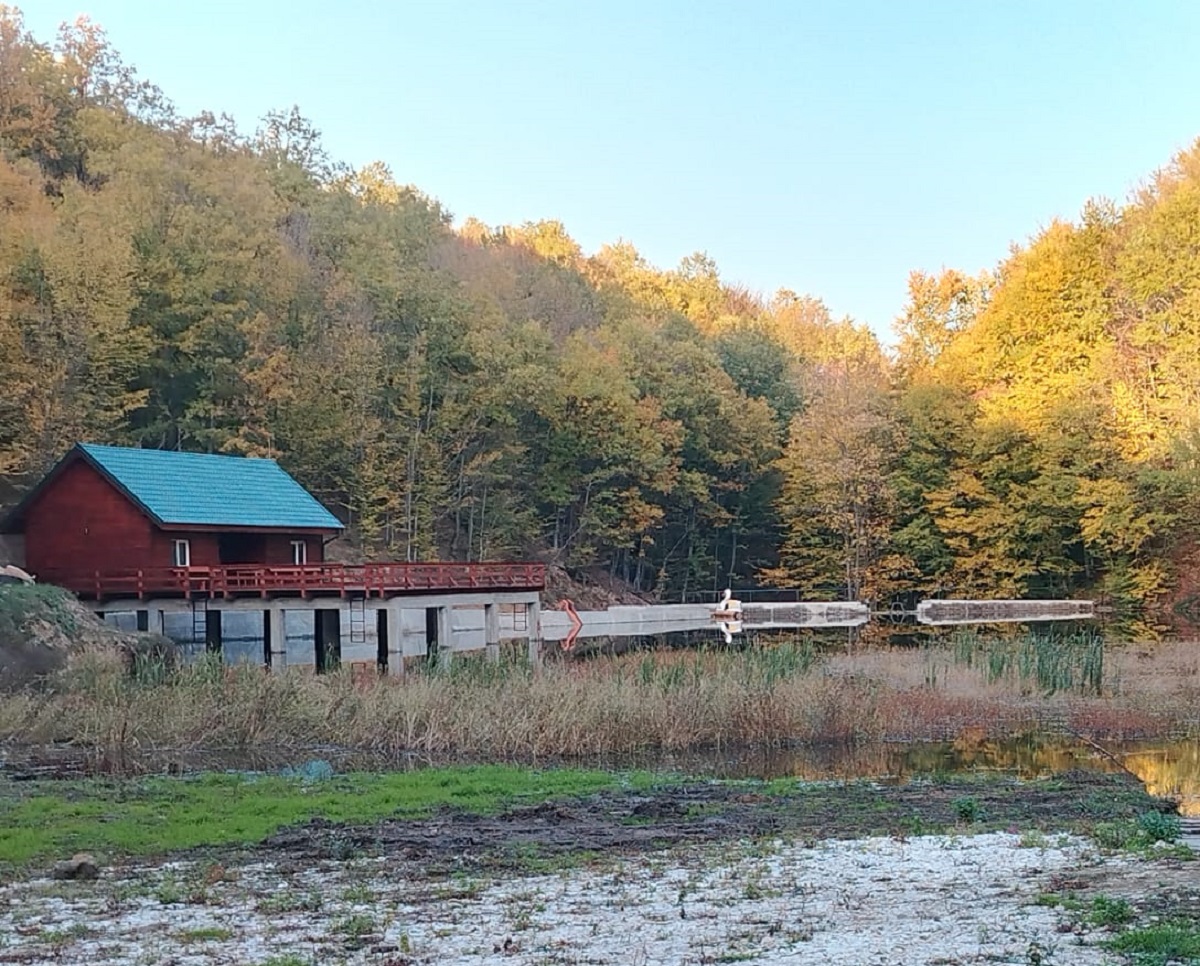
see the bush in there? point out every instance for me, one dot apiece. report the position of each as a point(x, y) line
point(1149, 828)
point(967, 808)
point(1110, 912)
point(1159, 827)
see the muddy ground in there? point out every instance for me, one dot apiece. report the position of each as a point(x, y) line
point(707, 812)
point(837, 874)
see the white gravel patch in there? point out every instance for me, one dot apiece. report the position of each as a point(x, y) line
point(927, 900)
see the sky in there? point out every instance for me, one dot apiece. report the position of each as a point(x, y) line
point(829, 147)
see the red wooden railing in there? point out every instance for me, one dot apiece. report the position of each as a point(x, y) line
point(346, 580)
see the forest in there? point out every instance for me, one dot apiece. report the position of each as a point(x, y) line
point(480, 392)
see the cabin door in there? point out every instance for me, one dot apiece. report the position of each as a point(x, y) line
point(242, 548)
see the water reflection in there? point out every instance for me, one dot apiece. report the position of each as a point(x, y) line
point(1167, 768)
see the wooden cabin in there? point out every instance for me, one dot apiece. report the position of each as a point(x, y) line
point(116, 509)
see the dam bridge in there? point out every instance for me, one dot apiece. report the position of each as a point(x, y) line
point(383, 616)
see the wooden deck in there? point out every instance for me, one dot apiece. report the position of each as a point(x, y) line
point(310, 580)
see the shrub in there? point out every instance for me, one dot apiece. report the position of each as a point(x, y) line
point(1159, 827)
point(967, 808)
point(1110, 912)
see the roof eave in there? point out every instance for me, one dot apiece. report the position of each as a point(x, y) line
point(15, 521)
point(248, 528)
point(121, 487)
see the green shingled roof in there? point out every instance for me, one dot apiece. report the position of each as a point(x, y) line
point(201, 490)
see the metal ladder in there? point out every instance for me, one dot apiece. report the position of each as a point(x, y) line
point(200, 621)
point(358, 620)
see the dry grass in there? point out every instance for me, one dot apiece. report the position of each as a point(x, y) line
point(674, 700)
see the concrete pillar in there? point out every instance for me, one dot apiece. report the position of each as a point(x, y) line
point(491, 631)
point(416, 631)
point(445, 637)
point(533, 618)
point(395, 638)
point(275, 631)
point(158, 621)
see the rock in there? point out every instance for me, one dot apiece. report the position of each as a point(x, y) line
point(13, 574)
point(80, 866)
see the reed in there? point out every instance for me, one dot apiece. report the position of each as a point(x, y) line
point(650, 701)
point(1046, 661)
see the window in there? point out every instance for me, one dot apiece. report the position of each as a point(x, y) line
point(181, 553)
point(299, 552)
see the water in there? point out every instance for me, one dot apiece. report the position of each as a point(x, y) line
point(1167, 768)
point(242, 631)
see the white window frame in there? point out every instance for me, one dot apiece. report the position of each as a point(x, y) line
point(299, 553)
point(181, 553)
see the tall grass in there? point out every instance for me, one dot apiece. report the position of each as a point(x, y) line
point(1045, 661)
point(662, 700)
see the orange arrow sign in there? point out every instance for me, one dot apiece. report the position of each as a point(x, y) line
point(576, 623)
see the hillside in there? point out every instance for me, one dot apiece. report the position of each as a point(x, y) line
point(493, 392)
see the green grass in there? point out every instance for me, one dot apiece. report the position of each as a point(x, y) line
point(155, 816)
point(358, 895)
point(21, 604)
point(204, 935)
point(1106, 911)
point(356, 927)
point(288, 900)
point(1147, 830)
point(1159, 944)
point(1058, 900)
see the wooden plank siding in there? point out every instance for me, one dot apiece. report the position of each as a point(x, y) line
point(82, 522)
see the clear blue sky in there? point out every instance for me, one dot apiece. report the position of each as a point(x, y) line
point(828, 147)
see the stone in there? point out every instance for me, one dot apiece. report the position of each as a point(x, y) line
point(80, 866)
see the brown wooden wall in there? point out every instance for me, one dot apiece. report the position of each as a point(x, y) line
point(279, 548)
point(205, 552)
point(82, 522)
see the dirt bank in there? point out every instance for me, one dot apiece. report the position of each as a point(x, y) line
point(713, 812)
point(42, 626)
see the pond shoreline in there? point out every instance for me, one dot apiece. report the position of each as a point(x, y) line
point(1168, 768)
point(464, 865)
